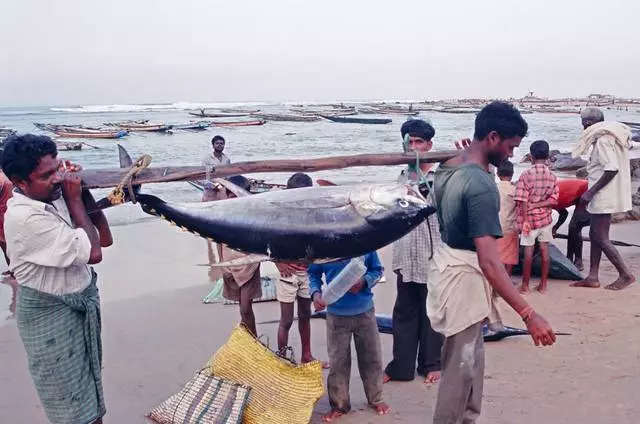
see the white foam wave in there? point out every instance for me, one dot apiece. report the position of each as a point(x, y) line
point(151, 107)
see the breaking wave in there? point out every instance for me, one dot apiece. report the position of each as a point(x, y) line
point(150, 107)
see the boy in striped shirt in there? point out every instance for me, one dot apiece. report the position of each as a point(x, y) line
point(536, 195)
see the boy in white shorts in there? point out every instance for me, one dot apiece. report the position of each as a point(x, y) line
point(294, 284)
point(536, 195)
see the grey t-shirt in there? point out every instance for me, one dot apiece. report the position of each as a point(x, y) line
point(468, 205)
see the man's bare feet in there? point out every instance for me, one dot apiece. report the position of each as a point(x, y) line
point(524, 289)
point(541, 288)
point(621, 283)
point(432, 377)
point(386, 378)
point(587, 282)
point(330, 416)
point(381, 408)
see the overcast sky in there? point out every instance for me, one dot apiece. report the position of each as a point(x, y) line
point(79, 52)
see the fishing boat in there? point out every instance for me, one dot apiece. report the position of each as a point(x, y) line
point(349, 120)
point(319, 112)
point(257, 186)
point(250, 123)
point(203, 114)
point(90, 134)
point(233, 110)
point(139, 126)
point(286, 118)
point(193, 126)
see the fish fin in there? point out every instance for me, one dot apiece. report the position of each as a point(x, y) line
point(125, 159)
point(245, 260)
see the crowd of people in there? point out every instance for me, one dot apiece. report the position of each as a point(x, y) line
point(449, 270)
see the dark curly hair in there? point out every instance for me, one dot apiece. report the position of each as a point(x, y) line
point(299, 180)
point(501, 117)
point(418, 128)
point(21, 154)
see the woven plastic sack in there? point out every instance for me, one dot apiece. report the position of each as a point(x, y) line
point(204, 400)
point(281, 392)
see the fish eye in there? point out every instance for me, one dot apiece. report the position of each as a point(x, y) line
point(403, 203)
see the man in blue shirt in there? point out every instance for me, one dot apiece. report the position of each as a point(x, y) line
point(351, 315)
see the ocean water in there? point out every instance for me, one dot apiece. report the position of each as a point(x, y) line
point(274, 140)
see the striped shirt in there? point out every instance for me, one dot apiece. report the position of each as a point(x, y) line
point(536, 184)
point(411, 253)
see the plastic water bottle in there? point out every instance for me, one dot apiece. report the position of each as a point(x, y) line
point(347, 278)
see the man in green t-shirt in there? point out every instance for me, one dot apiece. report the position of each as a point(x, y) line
point(467, 267)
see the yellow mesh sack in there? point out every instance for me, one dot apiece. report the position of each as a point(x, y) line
point(281, 392)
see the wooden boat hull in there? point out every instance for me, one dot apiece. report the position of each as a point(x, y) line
point(72, 134)
point(146, 128)
point(238, 123)
point(257, 186)
point(191, 126)
point(348, 120)
point(287, 118)
point(219, 115)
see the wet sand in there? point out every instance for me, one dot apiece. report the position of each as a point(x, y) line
point(157, 333)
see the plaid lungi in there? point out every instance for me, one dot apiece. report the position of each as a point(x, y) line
point(61, 335)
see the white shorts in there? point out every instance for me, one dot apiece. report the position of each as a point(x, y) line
point(543, 235)
point(289, 288)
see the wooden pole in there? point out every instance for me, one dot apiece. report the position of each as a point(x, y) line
point(110, 177)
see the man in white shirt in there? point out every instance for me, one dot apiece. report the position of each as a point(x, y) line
point(216, 157)
point(51, 240)
point(609, 190)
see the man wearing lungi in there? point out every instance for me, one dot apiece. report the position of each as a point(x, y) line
point(51, 241)
point(467, 268)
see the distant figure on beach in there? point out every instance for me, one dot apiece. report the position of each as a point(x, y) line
point(467, 266)
point(609, 190)
point(353, 316)
point(294, 285)
point(51, 241)
point(536, 195)
point(508, 244)
point(412, 332)
point(217, 156)
point(570, 193)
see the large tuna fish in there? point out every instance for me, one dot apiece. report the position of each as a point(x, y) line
point(311, 224)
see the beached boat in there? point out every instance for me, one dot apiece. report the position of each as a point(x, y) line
point(92, 134)
point(349, 120)
point(194, 126)
point(138, 126)
point(286, 118)
point(331, 112)
point(254, 122)
point(257, 186)
point(203, 114)
point(237, 110)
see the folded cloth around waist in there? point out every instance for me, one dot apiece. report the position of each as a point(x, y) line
point(61, 336)
point(458, 294)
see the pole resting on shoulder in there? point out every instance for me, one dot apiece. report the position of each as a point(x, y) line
point(117, 196)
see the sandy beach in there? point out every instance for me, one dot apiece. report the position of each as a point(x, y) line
point(157, 333)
